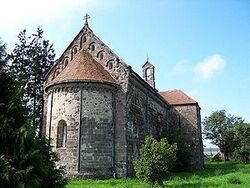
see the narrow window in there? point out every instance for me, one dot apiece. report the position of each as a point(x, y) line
point(148, 74)
point(84, 39)
point(66, 63)
point(61, 134)
point(92, 46)
point(75, 50)
point(179, 121)
point(101, 56)
point(110, 64)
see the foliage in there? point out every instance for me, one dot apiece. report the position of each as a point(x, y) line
point(30, 60)
point(156, 158)
point(242, 140)
point(25, 161)
point(3, 55)
point(219, 128)
point(183, 150)
point(234, 180)
point(216, 158)
point(215, 175)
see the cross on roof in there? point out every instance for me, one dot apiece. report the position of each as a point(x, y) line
point(86, 17)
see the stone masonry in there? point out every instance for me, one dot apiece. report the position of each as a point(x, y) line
point(98, 111)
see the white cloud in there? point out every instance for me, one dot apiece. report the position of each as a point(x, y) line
point(209, 67)
point(21, 11)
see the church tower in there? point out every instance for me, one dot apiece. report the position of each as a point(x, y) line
point(148, 73)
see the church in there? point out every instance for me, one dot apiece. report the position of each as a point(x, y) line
point(98, 110)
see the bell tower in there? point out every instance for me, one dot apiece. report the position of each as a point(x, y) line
point(148, 73)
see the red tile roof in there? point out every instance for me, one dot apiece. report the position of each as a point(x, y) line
point(83, 68)
point(177, 97)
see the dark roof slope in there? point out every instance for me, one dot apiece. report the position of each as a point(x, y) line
point(177, 97)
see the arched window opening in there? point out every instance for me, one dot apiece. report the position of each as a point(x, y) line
point(159, 126)
point(148, 73)
point(84, 39)
point(92, 46)
point(75, 50)
point(66, 62)
point(61, 134)
point(100, 55)
point(110, 64)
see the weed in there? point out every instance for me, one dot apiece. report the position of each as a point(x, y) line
point(234, 180)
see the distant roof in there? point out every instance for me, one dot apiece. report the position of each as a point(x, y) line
point(177, 97)
point(83, 68)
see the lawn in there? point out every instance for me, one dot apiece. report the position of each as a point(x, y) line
point(216, 174)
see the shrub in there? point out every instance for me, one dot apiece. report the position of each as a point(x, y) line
point(25, 160)
point(242, 138)
point(216, 158)
point(183, 150)
point(156, 158)
point(234, 180)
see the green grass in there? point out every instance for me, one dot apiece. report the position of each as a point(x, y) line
point(216, 174)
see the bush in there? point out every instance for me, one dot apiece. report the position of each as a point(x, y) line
point(25, 160)
point(156, 158)
point(183, 150)
point(242, 138)
point(234, 180)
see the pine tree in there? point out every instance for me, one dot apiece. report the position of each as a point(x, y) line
point(3, 56)
point(25, 160)
point(31, 58)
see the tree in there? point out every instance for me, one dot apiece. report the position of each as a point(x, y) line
point(25, 160)
point(3, 56)
point(183, 150)
point(156, 158)
point(242, 140)
point(31, 58)
point(219, 128)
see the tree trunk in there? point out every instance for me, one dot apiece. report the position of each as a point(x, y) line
point(226, 155)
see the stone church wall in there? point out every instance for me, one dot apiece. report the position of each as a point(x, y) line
point(88, 110)
point(120, 134)
point(189, 123)
point(106, 126)
point(97, 132)
point(66, 106)
point(146, 115)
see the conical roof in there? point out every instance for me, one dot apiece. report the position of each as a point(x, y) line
point(83, 68)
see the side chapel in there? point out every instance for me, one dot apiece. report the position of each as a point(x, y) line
point(98, 111)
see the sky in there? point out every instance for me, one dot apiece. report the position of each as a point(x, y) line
point(199, 46)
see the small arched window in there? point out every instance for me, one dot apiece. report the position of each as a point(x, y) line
point(84, 39)
point(66, 62)
point(75, 50)
point(110, 64)
point(61, 134)
point(92, 46)
point(148, 73)
point(100, 55)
